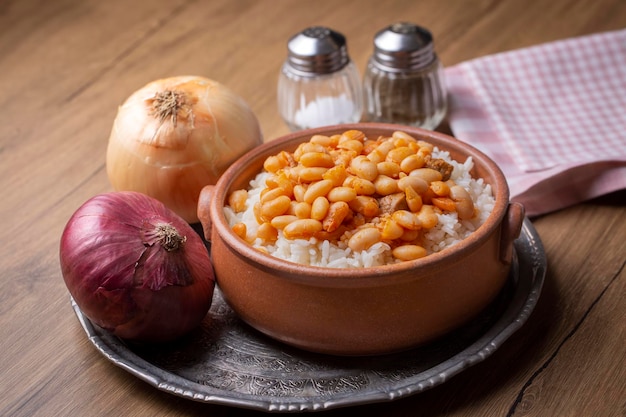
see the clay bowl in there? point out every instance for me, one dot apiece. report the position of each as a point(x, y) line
point(364, 311)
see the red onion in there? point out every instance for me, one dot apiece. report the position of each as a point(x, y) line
point(136, 268)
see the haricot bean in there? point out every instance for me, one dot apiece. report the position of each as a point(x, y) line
point(280, 222)
point(318, 189)
point(463, 202)
point(363, 239)
point(412, 162)
point(301, 209)
point(398, 154)
point(360, 185)
point(427, 174)
point(276, 162)
point(311, 174)
point(275, 207)
point(385, 185)
point(238, 200)
point(440, 188)
point(298, 192)
point(400, 135)
point(392, 230)
point(302, 229)
point(336, 174)
point(240, 230)
point(390, 169)
point(319, 208)
point(269, 194)
point(307, 147)
point(352, 135)
point(409, 252)
point(345, 194)
point(418, 184)
point(427, 216)
point(352, 145)
point(364, 168)
point(335, 185)
point(407, 219)
point(317, 159)
point(413, 199)
point(321, 140)
point(281, 181)
point(267, 232)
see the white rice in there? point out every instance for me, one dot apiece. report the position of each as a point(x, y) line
point(448, 231)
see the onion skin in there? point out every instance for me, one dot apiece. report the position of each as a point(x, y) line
point(122, 277)
point(171, 156)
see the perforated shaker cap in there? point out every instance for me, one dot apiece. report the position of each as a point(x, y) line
point(317, 50)
point(403, 47)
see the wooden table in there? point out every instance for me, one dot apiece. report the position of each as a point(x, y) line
point(66, 65)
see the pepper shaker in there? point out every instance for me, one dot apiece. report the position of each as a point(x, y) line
point(318, 83)
point(403, 82)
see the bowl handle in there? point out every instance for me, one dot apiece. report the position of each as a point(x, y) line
point(204, 215)
point(511, 227)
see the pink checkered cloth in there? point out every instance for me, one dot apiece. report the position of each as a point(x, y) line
point(552, 116)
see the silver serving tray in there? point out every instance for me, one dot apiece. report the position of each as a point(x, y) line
point(227, 362)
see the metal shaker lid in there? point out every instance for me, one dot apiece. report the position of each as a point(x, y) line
point(317, 50)
point(403, 46)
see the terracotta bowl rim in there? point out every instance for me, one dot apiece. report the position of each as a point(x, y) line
point(323, 276)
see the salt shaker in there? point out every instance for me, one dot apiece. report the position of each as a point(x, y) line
point(403, 82)
point(319, 84)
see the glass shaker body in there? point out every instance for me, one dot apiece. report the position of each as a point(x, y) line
point(318, 84)
point(416, 98)
point(404, 80)
point(326, 99)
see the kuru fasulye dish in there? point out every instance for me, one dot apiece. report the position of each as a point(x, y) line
point(348, 200)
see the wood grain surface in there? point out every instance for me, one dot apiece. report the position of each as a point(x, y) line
point(66, 65)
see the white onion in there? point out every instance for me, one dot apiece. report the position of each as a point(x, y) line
point(174, 136)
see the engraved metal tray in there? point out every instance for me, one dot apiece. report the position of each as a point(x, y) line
point(227, 362)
